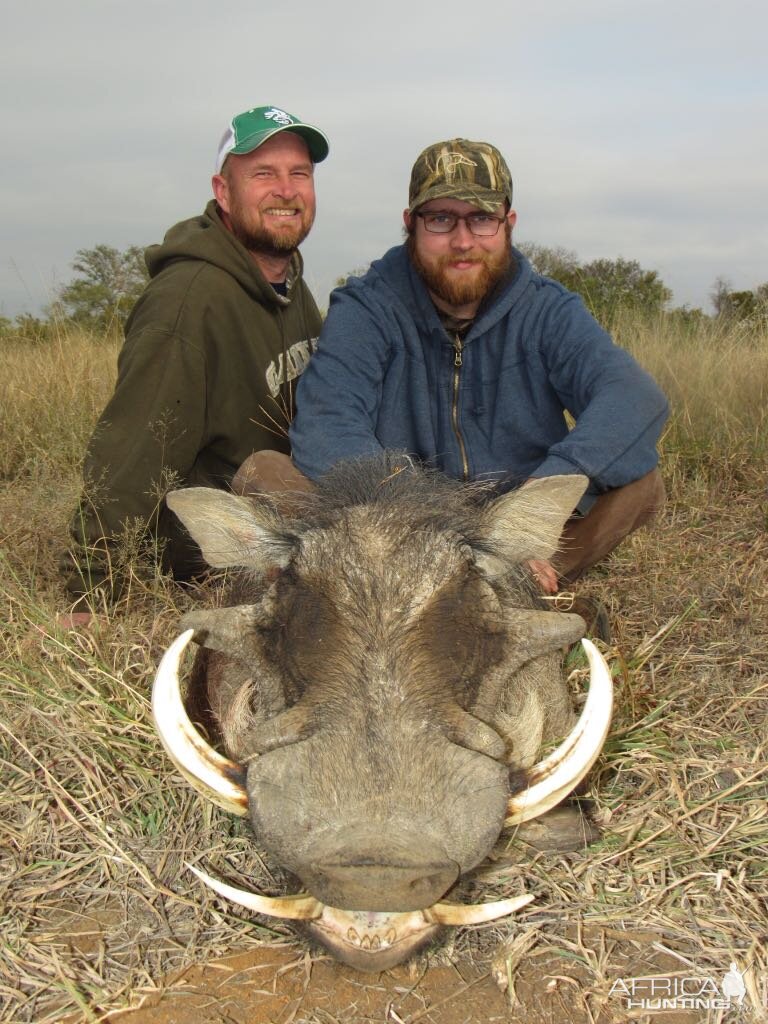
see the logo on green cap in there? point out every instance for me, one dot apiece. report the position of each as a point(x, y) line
point(279, 116)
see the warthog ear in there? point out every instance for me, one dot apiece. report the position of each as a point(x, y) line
point(527, 523)
point(232, 530)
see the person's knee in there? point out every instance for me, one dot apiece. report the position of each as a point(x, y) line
point(651, 497)
point(269, 472)
point(613, 517)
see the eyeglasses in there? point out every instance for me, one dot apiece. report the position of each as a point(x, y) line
point(481, 224)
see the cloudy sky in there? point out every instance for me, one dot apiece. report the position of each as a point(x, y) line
point(632, 129)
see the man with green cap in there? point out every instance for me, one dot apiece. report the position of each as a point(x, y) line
point(212, 351)
point(453, 349)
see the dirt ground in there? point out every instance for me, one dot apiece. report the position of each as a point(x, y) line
point(464, 981)
point(284, 986)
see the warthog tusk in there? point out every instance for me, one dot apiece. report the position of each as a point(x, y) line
point(552, 779)
point(217, 778)
point(307, 908)
point(476, 913)
point(292, 908)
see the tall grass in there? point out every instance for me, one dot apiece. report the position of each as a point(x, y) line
point(716, 378)
point(51, 393)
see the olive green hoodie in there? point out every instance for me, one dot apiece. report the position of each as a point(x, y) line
point(206, 376)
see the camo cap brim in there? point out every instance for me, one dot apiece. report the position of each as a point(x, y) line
point(473, 172)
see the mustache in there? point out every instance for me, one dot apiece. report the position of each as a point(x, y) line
point(447, 261)
point(280, 204)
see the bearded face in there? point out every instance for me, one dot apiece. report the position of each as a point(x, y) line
point(274, 228)
point(459, 267)
point(267, 197)
point(465, 280)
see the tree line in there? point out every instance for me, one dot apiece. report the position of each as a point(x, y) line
point(108, 281)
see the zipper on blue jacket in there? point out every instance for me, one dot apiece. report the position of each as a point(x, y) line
point(457, 361)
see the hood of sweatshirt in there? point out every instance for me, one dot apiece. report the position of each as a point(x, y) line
point(205, 238)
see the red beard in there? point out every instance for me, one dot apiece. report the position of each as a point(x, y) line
point(456, 289)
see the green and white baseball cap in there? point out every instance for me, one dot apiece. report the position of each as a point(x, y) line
point(247, 131)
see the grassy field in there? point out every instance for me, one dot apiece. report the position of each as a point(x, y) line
point(97, 908)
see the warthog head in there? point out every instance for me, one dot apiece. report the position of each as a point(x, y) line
point(383, 672)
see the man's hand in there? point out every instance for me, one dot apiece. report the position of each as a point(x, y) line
point(544, 574)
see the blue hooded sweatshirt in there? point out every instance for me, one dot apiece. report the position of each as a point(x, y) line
point(386, 374)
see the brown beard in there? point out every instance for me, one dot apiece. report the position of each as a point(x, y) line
point(459, 293)
point(263, 240)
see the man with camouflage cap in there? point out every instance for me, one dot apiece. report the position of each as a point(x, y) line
point(213, 348)
point(453, 349)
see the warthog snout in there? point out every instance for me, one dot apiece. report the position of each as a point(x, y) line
point(380, 875)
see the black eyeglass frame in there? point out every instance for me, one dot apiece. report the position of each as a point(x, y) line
point(455, 218)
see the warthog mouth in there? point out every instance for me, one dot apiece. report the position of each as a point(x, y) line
point(366, 940)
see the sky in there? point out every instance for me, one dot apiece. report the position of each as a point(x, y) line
point(631, 129)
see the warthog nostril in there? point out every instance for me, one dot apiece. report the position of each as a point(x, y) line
point(428, 881)
point(378, 886)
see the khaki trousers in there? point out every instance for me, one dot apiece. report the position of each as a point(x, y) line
point(614, 515)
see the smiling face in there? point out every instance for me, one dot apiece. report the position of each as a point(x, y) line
point(459, 268)
point(267, 197)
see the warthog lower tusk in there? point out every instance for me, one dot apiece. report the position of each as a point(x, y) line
point(306, 908)
point(217, 778)
point(552, 779)
point(475, 913)
point(292, 908)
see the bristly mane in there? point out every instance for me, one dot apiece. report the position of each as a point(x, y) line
point(393, 482)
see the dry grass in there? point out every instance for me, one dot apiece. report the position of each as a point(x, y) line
point(50, 396)
point(683, 790)
point(95, 825)
point(717, 381)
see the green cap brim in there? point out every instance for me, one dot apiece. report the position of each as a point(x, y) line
point(314, 138)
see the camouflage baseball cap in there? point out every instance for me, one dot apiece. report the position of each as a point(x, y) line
point(474, 172)
point(247, 131)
